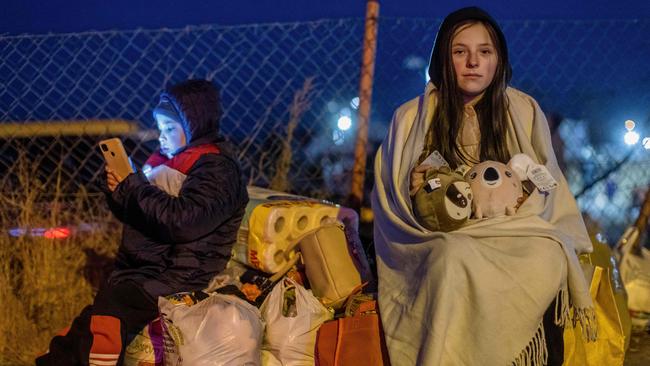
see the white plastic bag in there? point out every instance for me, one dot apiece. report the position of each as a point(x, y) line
point(291, 339)
point(635, 273)
point(220, 330)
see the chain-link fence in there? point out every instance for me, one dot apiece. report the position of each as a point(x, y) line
point(294, 82)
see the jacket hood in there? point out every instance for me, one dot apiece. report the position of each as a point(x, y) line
point(197, 105)
point(460, 15)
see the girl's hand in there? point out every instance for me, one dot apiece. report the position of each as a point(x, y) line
point(112, 178)
point(521, 200)
point(417, 178)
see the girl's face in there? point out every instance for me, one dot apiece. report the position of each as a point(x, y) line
point(172, 135)
point(475, 59)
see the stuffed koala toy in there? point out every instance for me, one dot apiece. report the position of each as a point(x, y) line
point(444, 202)
point(497, 188)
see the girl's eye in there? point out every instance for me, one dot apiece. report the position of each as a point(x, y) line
point(486, 51)
point(458, 52)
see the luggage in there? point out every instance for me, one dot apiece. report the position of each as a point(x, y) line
point(354, 340)
point(609, 347)
point(330, 265)
point(219, 330)
point(610, 303)
point(635, 267)
point(635, 272)
point(292, 316)
point(274, 220)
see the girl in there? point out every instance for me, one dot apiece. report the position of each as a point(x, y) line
point(477, 295)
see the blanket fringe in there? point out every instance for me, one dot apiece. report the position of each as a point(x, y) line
point(535, 353)
point(562, 306)
point(587, 319)
point(585, 316)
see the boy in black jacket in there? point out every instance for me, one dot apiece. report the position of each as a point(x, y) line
point(180, 216)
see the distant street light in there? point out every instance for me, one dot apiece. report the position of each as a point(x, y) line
point(344, 123)
point(354, 103)
point(631, 137)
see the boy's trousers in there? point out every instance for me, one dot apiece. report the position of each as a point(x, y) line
point(99, 335)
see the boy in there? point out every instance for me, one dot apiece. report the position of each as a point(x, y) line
point(177, 235)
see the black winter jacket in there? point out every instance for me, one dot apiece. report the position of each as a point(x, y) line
point(172, 244)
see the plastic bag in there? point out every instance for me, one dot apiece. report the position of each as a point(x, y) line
point(220, 330)
point(292, 321)
point(609, 347)
point(146, 349)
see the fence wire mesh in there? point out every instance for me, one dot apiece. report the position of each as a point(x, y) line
point(290, 84)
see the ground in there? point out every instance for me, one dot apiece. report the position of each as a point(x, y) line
point(639, 352)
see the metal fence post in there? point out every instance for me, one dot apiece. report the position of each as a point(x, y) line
point(355, 197)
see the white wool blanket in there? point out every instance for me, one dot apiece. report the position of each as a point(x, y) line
point(477, 295)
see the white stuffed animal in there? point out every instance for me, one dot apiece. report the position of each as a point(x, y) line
point(497, 187)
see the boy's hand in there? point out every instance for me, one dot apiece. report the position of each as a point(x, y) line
point(417, 178)
point(112, 179)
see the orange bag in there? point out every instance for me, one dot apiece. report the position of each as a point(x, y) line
point(352, 341)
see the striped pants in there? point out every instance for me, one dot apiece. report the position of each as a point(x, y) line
point(99, 335)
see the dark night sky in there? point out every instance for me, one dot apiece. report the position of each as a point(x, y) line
point(59, 16)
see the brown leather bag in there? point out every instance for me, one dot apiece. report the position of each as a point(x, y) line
point(352, 341)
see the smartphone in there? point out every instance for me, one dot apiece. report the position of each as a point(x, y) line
point(115, 156)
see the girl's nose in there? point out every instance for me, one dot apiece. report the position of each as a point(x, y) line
point(472, 60)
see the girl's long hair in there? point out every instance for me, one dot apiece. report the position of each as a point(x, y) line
point(491, 110)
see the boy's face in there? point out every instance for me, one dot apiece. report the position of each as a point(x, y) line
point(172, 135)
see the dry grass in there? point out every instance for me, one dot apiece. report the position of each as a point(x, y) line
point(300, 104)
point(42, 284)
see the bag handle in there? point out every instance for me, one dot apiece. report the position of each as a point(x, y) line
point(291, 249)
point(595, 281)
point(292, 246)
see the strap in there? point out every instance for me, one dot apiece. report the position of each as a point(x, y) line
point(292, 246)
point(365, 307)
point(595, 281)
point(339, 340)
point(291, 249)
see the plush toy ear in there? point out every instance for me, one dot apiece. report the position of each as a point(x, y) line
point(520, 163)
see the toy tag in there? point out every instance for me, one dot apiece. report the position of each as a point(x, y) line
point(432, 185)
point(541, 178)
point(435, 160)
point(463, 169)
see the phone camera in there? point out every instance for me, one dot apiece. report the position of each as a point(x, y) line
point(104, 147)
